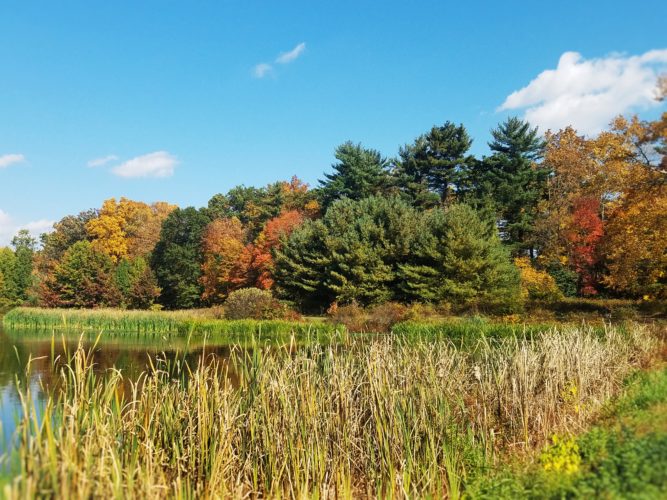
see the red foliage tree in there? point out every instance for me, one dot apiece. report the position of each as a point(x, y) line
point(584, 236)
point(257, 258)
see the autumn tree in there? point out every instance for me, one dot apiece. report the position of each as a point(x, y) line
point(66, 232)
point(634, 249)
point(143, 226)
point(575, 173)
point(536, 284)
point(255, 206)
point(583, 179)
point(584, 235)
point(223, 242)
point(261, 262)
point(83, 278)
point(136, 283)
point(127, 228)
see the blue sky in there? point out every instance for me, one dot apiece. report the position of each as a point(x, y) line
point(181, 92)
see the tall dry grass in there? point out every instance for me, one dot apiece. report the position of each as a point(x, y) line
point(385, 418)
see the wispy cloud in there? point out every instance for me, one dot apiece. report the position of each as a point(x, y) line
point(157, 164)
point(589, 93)
point(292, 55)
point(6, 226)
point(11, 159)
point(100, 162)
point(9, 228)
point(264, 69)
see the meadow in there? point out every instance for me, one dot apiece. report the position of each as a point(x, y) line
point(389, 416)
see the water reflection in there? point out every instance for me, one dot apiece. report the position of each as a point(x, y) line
point(29, 358)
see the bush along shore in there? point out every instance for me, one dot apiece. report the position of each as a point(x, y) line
point(193, 323)
point(385, 418)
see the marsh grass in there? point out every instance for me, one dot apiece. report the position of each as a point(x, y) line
point(158, 323)
point(389, 418)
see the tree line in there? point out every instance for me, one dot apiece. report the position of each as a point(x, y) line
point(541, 216)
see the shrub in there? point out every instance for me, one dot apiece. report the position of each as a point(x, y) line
point(536, 284)
point(378, 319)
point(352, 316)
point(253, 303)
point(383, 317)
point(423, 312)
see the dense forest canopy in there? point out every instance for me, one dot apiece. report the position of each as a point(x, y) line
point(540, 217)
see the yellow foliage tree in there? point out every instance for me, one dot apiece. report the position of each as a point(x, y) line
point(536, 284)
point(636, 243)
point(127, 229)
point(107, 233)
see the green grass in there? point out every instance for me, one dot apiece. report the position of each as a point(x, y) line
point(158, 324)
point(623, 456)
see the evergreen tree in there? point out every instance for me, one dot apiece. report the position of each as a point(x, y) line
point(367, 239)
point(511, 177)
point(177, 258)
point(352, 254)
point(410, 179)
point(301, 265)
point(437, 162)
point(458, 258)
point(359, 173)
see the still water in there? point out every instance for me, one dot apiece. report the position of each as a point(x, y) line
point(26, 358)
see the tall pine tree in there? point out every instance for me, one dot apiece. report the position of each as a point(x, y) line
point(359, 173)
point(435, 166)
point(515, 182)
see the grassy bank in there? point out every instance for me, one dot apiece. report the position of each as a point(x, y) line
point(623, 456)
point(382, 418)
point(159, 323)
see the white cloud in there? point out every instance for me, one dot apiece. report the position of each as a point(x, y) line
point(589, 93)
point(9, 228)
point(264, 69)
point(261, 70)
point(100, 162)
point(11, 159)
point(157, 164)
point(292, 55)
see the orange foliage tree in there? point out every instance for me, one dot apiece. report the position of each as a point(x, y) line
point(223, 243)
point(256, 262)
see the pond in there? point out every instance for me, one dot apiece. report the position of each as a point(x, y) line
point(26, 358)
